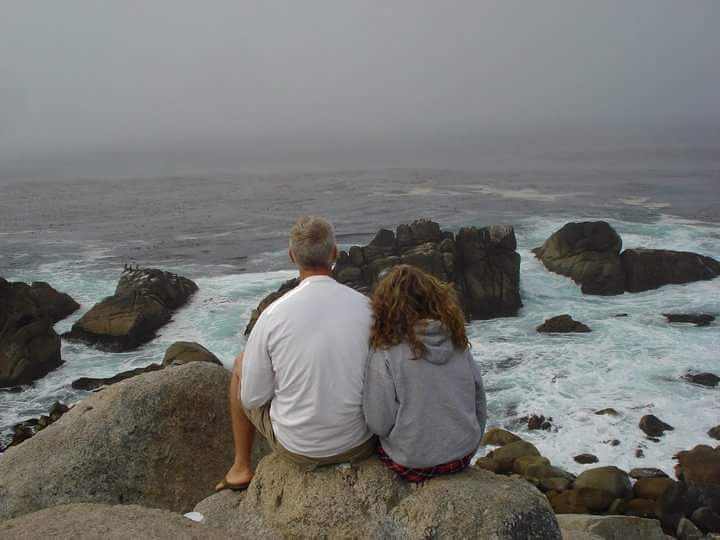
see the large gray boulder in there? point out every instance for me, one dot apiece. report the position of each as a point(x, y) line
point(366, 500)
point(587, 252)
point(161, 439)
point(105, 522)
point(29, 347)
point(144, 301)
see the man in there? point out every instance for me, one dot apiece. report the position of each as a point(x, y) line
point(299, 381)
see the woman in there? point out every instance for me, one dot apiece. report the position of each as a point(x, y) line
point(423, 393)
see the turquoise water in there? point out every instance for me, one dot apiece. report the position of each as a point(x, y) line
point(632, 364)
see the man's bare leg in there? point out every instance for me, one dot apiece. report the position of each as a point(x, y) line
point(242, 429)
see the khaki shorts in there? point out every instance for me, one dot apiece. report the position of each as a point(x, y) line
point(260, 418)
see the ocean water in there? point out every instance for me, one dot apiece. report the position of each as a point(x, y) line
point(229, 235)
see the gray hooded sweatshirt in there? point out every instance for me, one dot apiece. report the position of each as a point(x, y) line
point(426, 411)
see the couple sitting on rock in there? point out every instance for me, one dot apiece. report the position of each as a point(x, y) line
point(325, 370)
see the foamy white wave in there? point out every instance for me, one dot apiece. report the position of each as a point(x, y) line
point(528, 194)
point(645, 202)
point(633, 364)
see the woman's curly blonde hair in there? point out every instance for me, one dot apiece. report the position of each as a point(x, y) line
point(404, 299)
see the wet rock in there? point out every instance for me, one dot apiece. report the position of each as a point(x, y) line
point(182, 352)
point(585, 459)
point(589, 254)
point(652, 426)
point(498, 437)
point(706, 520)
point(143, 302)
point(612, 480)
point(505, 456)
point(537, 421)
point(703, 379)
point(698, 319)
point(29, 347)
point(614, 527)
point(90, 383)
point(562, 324)
point(639, 453)
point(688, 531)
point(714, 432)
point(608, 412)
point(652, 488)
point(647, 472)
point(647, 269)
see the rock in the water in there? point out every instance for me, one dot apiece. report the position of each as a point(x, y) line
point(182, 352)
point(562, 324)
point(481, 262)
point(647, 472)
point(506, 455)
point(91, 383)
point(647, 269)
point(144, 301)
point(160, 439)
point(714, 432)
point(29, 347)
point(698, 319)
point(22, 431)
point(585, 459)
point(56, 304)
point(538, 421)
point(613, 527)
point(498, 437)
point(366, 500)
point(703, 379)
point(608, 412)
point(701, 464)
point(589, 254)
point(652, 426)
point(105, 522)
point(609, 479)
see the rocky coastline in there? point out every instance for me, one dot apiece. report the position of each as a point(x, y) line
point(157, 437)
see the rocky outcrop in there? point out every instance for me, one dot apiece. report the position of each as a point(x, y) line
point(93, 383)
point(652, 426)
point(366, 500)
point(29, 347)
point(105, 522)
point(183, 352)
point(698, 319)
point(22, 431)
point(160, 440)
point(703, 379)
point(589, 253)
point(562, 324)
point(144, 301)
point(647, 269)
point(482, 263)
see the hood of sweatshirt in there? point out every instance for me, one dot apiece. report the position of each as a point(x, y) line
point(439, 346)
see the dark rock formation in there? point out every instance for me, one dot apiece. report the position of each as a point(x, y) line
point(183, 352)
point(714, 432)
point(27, 428)
point(706, 520)
point(562, 324)
point(585, 459)
point(589, 253)
point(698, 319)
point(653, 426)
point(703, 379)
point(143, 302)
point(481, 262)
point(609, 412)
point(647, 269)
point(29, 347)
point(90, 383)
point(537, 421)
point(161, 440)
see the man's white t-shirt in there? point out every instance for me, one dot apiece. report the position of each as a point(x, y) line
point(307, 354)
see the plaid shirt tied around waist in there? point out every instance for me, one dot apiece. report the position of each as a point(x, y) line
point(424, 473)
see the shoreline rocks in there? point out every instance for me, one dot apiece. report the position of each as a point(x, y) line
point(29, 346)
point(589, 253)
point(562, 324)
point(143, 302)
point(652, 426)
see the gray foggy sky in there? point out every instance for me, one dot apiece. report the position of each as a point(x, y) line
point(84, 74)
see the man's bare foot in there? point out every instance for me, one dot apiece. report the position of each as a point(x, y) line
point(238, 477)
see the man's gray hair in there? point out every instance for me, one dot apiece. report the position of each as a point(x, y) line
point(312, 240)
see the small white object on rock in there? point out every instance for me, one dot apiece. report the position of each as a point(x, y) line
point(195, 516)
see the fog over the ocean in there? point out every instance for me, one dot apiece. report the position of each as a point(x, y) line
point(88, 78)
